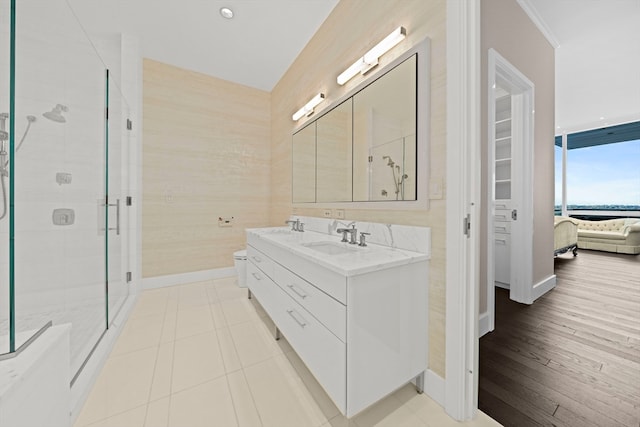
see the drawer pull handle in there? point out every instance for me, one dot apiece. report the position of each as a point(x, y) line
point(502, 241)
point(297, 291)
point(503, 217)
point(256, 258)
point(501, 228)
point(296, 316)
point(257, 276)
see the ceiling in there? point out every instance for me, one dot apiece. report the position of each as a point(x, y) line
point(597, 59)
point(255, 48)
point(597, 44)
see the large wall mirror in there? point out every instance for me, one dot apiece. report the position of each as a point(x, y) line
point(370, 145)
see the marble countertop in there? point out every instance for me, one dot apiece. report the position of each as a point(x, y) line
point(346, 259)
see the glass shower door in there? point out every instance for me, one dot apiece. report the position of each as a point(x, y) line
point(117, 156)
point(59, 175)
point(63, 256)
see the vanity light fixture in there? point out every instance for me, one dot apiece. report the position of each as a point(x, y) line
point(307, 110)
point(370, 59)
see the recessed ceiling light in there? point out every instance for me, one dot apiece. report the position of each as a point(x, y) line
point(225, 12)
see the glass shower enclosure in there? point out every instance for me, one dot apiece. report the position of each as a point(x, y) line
point(64, 172)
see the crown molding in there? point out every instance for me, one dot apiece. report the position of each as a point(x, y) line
point(598, 124)
point(534, 15)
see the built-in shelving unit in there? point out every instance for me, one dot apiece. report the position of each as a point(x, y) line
point(502, 205)
point(503, 148)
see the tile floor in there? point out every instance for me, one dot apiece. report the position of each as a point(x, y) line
point(202, 354)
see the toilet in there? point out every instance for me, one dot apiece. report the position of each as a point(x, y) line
point(240, 262)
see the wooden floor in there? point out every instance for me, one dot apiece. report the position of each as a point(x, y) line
point(573, 357)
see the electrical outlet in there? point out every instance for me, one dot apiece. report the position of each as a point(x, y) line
point(435, 189)
point(338, 213)
point(326, 213)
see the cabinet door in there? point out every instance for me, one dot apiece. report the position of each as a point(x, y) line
point(502, 259)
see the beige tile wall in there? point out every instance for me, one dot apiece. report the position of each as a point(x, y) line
point(206, 154)
point(353, 27)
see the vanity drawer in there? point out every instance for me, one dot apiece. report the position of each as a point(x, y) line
point(260, 260)
point(322, 352)
point(258, 283)
point(330, 312)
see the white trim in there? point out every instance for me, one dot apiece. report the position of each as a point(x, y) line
point(484, 326)
point(563, 202)
point(598, 124)
point(490, 206)
point(182, 278)
point(463, 197)
point(543, 286)
point(522, 92)
point(435, 386)
point(534, 15)
point(87, 378)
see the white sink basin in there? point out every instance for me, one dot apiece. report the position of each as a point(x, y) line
point(329, 248)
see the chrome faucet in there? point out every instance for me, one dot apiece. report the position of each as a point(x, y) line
point(296, 225)
point(353, 231)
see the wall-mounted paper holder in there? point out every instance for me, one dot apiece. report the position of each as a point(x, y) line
point(225, 221)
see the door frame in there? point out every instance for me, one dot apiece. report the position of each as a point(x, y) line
point(463, 208)
point(522, 92)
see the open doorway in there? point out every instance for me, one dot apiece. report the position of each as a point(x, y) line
point(510, 188)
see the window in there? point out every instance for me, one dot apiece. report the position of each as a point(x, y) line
point(602, 171)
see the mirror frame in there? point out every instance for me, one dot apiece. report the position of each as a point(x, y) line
point(423, 129)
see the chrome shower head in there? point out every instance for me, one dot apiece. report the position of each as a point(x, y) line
point(56, 113)
point(390, 162)
point(31, 119)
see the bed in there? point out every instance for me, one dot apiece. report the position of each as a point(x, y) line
point(565, 235)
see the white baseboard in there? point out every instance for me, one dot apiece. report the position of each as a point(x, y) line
point(434, 386)
point(502, 285)
point(193, 276)
point(543, 287)
point(483, 324)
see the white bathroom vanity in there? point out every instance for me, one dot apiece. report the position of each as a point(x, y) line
point(356, 315)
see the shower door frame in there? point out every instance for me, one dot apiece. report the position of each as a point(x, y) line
point(123, 156)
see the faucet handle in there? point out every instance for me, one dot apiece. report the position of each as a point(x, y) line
point(354, 235)
point(363, 237)
point(344, 232)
